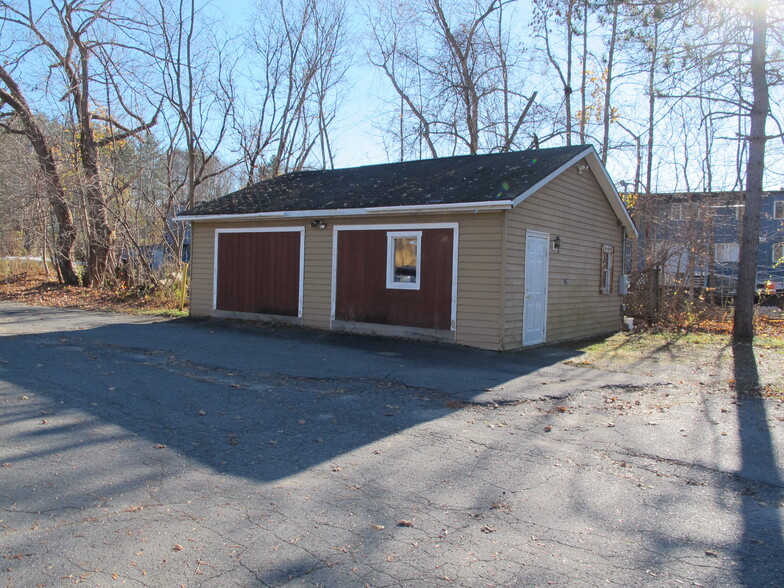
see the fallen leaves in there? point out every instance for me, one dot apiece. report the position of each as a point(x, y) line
point(38, 289)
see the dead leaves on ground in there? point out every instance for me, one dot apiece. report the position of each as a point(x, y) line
point(38, 289)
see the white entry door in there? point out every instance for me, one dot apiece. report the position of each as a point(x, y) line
point(537, 253)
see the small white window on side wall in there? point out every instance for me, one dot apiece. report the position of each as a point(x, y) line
point(606, 276)
point(404, 260)
point(778, 254)
point(727, 252)
point(778, 209)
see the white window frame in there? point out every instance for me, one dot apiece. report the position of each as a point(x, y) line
point(778, 204)
point(391, 283)
point(607, 272)
point(722, 251)
point(773, 257)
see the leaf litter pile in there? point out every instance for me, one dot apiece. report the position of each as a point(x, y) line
point(38, 289)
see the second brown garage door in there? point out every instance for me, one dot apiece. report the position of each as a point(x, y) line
point(362, 293)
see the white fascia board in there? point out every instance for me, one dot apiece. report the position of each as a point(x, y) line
point(207, 217)
point(601, 175)
point(452, 207)
point(378, 210)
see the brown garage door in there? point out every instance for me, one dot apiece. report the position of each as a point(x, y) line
point(361, 292)
point(259, 272)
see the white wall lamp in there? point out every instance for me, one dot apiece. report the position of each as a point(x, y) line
point(557, 244)
point(318, 224)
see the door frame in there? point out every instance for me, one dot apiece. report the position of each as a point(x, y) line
point(546, 237)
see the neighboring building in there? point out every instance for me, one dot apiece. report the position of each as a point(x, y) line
point(695, 238)
point(494, 251)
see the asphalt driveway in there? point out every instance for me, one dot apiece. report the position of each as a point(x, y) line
point(137, 451)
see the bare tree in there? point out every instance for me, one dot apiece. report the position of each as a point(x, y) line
point(299, 55)
point(76, 41)
point(11, 95)
point(743, 326)
point(456, 71)
point(196, 69)
point(395, 52)
point(564, 14)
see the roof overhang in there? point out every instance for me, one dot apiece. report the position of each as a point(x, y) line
point(605, 183)
point(378, 210)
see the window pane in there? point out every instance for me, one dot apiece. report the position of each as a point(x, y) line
point(606, 275)
point(405, 260)
point(778, 209)
point(727, 252)
point(778, 253)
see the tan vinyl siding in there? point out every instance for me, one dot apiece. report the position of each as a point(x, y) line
point(573, 207)
point(479, 280)
point(479, 269)
point(317, 290)
point(201, 268)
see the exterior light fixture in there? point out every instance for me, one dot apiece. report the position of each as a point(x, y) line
point(582, 168)
point(557, 244)
point(318, 224)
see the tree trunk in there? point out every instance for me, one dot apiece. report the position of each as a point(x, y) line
point(568, 86)
point(651, 107)
point(606, 118)
point(66, 235)
point(101, 235)
point(743, 326)
point(584, 75)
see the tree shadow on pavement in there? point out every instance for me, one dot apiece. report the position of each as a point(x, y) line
point(760, 470)
point(260, 403)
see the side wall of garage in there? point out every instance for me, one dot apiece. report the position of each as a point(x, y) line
point(574, 208)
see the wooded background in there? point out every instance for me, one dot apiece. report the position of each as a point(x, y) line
point(116, 115)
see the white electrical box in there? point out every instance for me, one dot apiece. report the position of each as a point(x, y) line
point(624, 285)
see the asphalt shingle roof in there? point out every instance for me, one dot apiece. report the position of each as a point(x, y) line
point(448, 180)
